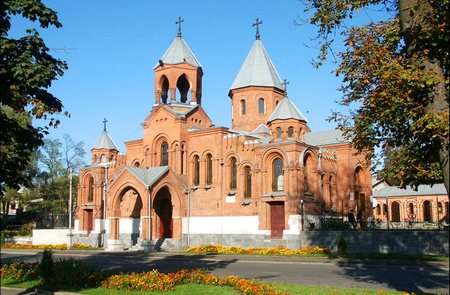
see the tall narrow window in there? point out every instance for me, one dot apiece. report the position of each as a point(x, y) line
point(395, 207)
point(90, 197)
point(330, 190)
point(277, 175)
point(243, 107)
point(233, 173)
point(411, 208)
point(378, 209)
point(209, 169)
point(196, 179)
point(248, 182)
point(278, 132)
point(291, 131)
point(164, 154)
point(427, 216)
point(261, 106)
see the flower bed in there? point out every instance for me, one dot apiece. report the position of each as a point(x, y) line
point(29, 246)
point(156, 281)
point(219, 249)
point(46, 246)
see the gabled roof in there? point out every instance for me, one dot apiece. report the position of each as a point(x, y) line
point(179, 52)
point(261, 129)
point(148, 176)
point(286, 110)
point(257, 70)
point(422, 190)
point(105, 142)
point(326, 137)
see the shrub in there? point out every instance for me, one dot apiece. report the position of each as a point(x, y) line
point(341, 244)
point(73, 272)
point(46, 266)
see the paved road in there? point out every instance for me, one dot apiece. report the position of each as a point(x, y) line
point(412, 276)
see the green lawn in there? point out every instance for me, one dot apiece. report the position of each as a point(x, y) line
point(197, 289)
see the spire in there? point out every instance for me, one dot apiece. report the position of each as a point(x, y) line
point(178, 52)
point(178, 22)
point(257, 70)
point(257, 23)
point(105, 141)
point(286, 110)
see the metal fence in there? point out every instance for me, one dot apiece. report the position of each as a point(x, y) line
point(335, 223)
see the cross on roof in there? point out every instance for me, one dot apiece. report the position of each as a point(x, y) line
point(104, 124)
point(178, 22)
point(257, 23)
point(285, 84)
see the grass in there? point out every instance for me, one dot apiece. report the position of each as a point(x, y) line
point(197, 289)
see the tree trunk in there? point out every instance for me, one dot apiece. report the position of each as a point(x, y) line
point(414, 16)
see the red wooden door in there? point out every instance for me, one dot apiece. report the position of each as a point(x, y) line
point(276, 219)
point(89, 221)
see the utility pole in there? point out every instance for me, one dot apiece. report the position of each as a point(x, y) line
point(70, 208)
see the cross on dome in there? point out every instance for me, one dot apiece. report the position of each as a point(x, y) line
point(104, 124)
point(256, 24)
point(285, 83)
point(178, 22)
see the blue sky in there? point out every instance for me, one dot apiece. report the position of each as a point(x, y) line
point(111, 48)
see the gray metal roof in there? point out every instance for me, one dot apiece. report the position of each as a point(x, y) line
point(257, 70)
point(148, 176)
point(261, 129)
point(422, 190)
point(286, 110)
point(326, 137)
point(105, 142)
point(179, 52)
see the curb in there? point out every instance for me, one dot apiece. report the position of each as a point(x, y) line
point(37, 291)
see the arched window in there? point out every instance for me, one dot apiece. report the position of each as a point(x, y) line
point(308, 172)
point(278, 132)
point(440, 209)
point(261, 106)
point(164, 154)
point(330, 190)
point(196, 179)
point(291, 131)
point(90, 197)
point(243, 107)
point(209, 171)
point(277, 175)
point(136, 164)
point(103, 158)
point(411, 208)
point(248, 182)
point(427, 216)
point(395, 207)
point(378, 209)
point(385, 209)
point(233, 173)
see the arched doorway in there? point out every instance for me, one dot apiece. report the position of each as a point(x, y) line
point(395, 211)
point(163, 208)
point(125, 224)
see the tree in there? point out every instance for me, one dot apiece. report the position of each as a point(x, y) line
point(26, 72)
point(396, 81)
point(55, 158)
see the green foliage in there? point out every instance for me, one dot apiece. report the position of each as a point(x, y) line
point(341, 244)
point(46, 267)
point(395, 82)
point(26, 72)
point(73, 272)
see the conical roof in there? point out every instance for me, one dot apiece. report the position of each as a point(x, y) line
point(257, 70)
point(105, 142)
point(286, 110)
point(179, 52)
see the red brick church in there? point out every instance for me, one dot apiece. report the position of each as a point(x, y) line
point(188, 181)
